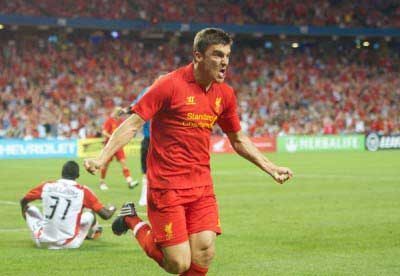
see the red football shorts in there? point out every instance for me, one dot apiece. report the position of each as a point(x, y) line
point(119, 154)
point(175, 214)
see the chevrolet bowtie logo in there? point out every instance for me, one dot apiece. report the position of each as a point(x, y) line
point(190, 100)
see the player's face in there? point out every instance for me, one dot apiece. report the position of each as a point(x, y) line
point(215, 62)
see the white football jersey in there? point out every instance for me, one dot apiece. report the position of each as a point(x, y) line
point(63, 201)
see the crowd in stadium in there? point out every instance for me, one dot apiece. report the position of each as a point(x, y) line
point(358, 13)
point(321, 91)
point(68, 88)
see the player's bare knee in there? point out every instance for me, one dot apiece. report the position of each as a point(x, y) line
point(203, 256)
point(177, 265)
point(209, 254)
point(203, 253)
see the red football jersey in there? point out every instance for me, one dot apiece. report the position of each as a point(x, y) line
point(183, 115)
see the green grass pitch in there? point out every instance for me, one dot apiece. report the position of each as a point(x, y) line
point(340, 215)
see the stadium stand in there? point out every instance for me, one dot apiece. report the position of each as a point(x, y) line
point(66, 88)
point(366, 13)
point(57, 83)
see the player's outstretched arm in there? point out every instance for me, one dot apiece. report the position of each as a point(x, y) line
point(245, 148)
point(107, 212)
point(24, 205)
point(121, 136)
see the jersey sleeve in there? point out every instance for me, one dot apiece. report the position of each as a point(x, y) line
point(91, 201)
point(155, 99)
point(138, 98)
point(229, 118)
point(35, 193)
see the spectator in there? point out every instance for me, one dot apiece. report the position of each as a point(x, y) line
point(358, 13)
point(64, 89)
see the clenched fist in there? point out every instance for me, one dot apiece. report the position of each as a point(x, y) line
point(91, 165)
point(282, 174)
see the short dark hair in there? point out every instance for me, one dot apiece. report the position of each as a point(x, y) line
point(210, 36)
point(70, 170)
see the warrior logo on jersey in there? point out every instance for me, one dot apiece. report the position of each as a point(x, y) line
point(190, 100)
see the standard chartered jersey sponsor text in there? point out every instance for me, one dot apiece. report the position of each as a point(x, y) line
point(320, 143)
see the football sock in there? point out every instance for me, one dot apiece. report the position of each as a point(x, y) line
point(103, 172)
point(126, 173)
point(195, 270)
point(131, 222)
point(145, 238)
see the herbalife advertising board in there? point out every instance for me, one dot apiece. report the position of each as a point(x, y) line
point(321, 143)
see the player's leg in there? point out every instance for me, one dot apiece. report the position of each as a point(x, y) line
point(88, 221)
point(95, 231)
point(167, 242)
point(33, 213)
point(128, 219)
point(202, 247)
point(173, 259)
point(203, 227)
point(34, 220)
point(127, 174)
point(103, 174)
point(120, 155)
point(144, 149)
point(177, 258)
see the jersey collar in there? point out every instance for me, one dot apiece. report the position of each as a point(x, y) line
point(67, 181)
point(188, 75)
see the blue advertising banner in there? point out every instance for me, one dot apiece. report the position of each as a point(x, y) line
point(38, 148)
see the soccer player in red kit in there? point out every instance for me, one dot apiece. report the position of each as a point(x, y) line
point(108, 128)
point(184, 105)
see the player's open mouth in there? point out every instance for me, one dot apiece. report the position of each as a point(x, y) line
point(221, 73)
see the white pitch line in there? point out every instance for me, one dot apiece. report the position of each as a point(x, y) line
point(13, 229)
point(312, 176)
point(4, 202)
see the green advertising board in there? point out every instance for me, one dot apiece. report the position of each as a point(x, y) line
point(297, 143)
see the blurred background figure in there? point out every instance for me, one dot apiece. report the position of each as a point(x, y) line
point(109, 127)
